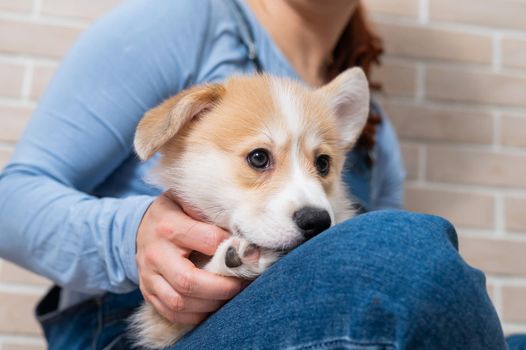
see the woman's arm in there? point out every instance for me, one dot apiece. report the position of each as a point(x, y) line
point(81, 132)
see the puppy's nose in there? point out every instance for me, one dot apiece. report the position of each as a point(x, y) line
point(312, 221)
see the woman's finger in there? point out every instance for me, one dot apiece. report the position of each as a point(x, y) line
point(191, 318)
point(199, 236)
point(176, 302)
point(187, 232)
point(188, 280)
point(161, 308)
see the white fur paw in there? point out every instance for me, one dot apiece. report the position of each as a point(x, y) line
point(238, 257)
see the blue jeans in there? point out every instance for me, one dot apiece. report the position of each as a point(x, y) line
point(383, 280)
point(517, 342)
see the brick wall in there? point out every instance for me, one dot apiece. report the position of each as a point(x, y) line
point(455, 87)
point(454, 84)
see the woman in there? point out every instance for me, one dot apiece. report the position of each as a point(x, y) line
point(74, 207)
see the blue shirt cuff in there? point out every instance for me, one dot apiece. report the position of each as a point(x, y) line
point(141, 204)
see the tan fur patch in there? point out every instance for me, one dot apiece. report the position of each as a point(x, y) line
point(163, 122)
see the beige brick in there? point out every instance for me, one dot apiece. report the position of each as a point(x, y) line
point(42, 75)
point(10, 346)
point(490, 288)
point(499, 13)
point(514, 328)
point(476, 167)
point(4, 157)
point(513, 130)
point(514, 52)
point(473, 86)
point(440, 123)
point(13, 121)
point(421, 42)
point(16, 5)
point(514, 304)
point(11, 76)
point(515, 208)
point(406, 8)
point(410, 154)
point(495, 256)
point(16, 313)
point(464, 209)
point(11, 273)
point(36, 38)
point(396, 79)
point(85, 9)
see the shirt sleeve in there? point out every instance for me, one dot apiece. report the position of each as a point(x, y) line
point(82, 130)
point(388, 175)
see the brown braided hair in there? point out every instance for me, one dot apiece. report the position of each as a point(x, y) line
point(359, 46)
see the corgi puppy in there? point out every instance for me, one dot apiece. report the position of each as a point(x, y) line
point(259, 156)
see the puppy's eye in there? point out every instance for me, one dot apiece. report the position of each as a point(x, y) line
point(323, 164)
point(259, 159)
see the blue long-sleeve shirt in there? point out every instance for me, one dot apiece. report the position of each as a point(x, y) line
point(73, 195)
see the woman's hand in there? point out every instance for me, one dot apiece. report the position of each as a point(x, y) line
point(168, 280)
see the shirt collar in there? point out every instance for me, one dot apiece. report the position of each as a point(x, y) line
point(270, 56)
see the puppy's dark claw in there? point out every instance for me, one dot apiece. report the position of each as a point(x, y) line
point(232, 259)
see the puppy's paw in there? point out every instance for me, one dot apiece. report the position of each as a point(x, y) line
point(238, 257)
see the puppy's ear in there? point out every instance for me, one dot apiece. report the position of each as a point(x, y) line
point(163, 122)
point(348, 96)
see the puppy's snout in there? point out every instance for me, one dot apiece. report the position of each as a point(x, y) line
point(312, 221)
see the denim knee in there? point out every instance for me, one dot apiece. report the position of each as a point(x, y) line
point(422, 248)
point(385, 280)
point(407, 265)
point(402, 226)
point(408, 239)
point(396, 252)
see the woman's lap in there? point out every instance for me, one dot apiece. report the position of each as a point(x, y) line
point(385, 279)
point(517, 342)
point(379, 281)
point(98, 323)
